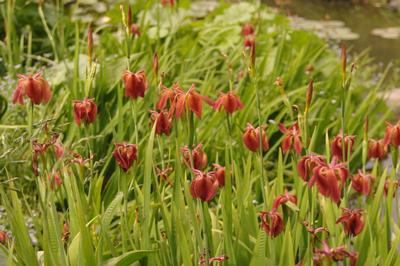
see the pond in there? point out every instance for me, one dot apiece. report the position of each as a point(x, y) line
point(361, 27)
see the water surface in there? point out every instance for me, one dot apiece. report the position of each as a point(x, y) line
point(359, 24)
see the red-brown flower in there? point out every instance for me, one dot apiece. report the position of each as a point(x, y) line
point(125, 154)
point(163, 122)
point(333, 254)
point(282, 199)
point(249, 41)
point(190, 100)
point(362, 182)
point(135, 84)
point(197, 156)
point(85, 110)
point(3, 237)
point(352, 221)
point(166, 94)
point(337, 146)
point(40, 149)
point(204, 186)
point(330, 178)
point(392, 134)
point(377, 149)
point(230, 101)
point(35, 87)
point(219, 174)
point(292, 134)
point(55, 180)
point(307, 163)
point(251, 138)
point(247, 29)
point(272, 222)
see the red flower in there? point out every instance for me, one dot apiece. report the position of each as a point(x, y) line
point(190, 100)
point(204, 186)
point(55, 180)
point(335, 254)
point(35, 87)
point(163, 122)
point(292, 134)
point(251, 138)
point(392, 134)
point(85, 110)
point(352, 221)
point(272, 223)
point(125, 154)
point(230, 101)
point(197, 156)
point(327, 178)
point(282, 199)
point(219, 174)
point(249, 41)
point(307, 164)
point(362, 183)
point(3, 237)
point(135, 84)
point(247, 29)
point(40, 149)
point(166, 94)
point(337, 146)
point(377, 149)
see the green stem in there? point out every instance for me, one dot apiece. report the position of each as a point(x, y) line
point(30, 119)
point(202, 206)
point(262, 182)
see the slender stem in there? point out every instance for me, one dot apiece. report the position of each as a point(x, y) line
point(263, 187)
point(205, 233)
point(30, 118)
point(134, 112)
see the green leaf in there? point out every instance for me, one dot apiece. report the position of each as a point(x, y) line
point(128, 258)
